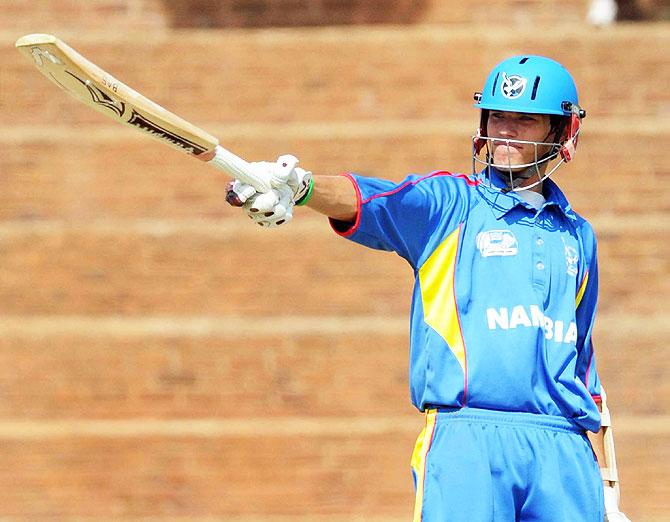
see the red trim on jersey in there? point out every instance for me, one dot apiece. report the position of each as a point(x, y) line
point(460, 326)
point(598, 399)
point(347, 229)
point(339, 226)
point(588, 368)
point(472, 183)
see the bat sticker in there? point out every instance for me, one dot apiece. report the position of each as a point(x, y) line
point(37, 54)
point(101, 98)
point(143, 123)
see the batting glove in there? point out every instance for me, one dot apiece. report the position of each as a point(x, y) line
point(274, 207)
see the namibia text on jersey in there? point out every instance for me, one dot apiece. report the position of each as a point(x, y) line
point(519, 316)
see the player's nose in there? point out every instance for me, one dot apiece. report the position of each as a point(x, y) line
point(508, 130)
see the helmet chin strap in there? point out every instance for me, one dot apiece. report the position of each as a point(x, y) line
point(514, 180)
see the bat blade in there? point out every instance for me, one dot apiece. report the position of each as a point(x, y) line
point(101, 91)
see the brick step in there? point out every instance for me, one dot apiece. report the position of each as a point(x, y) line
point(516, 12)
point(203, 13)
point(218, 477)
point(32, 16)
point(221, 374)
point(162, 270)
point(143, 15)
point(226, 367)
point(372, 73)
point(110, 172)
point(260, 474)
point(212, 272)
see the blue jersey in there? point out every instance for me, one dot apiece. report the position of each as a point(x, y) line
point(504, 297)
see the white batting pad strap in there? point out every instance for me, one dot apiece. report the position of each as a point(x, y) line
point(609, 469)
point(238, 169)
point(609, 474)
point(605, 418)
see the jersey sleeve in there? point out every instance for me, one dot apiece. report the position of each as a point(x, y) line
point(586, 302)
point(401, 217)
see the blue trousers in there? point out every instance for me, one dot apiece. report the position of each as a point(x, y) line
point(474, 465)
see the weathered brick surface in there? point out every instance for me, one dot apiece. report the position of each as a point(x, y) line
point(353, 474)
point(224, 375)
point(111, 272)
point(159, 272)
point(510, 12)
point(374, 74)
point(141, 15)
point(341, 368)
point(291, 13)
point(73, 16)
point(220, 477)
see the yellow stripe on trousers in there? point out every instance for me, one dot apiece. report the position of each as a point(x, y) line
point(421, 448)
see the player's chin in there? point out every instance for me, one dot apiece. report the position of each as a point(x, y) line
point(505, 161)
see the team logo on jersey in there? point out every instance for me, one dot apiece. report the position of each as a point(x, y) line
point(571, 259)
point(513, 86)
point(497, 243)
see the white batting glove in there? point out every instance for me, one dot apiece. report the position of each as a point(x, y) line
point(612, 513)
point(270, 209)
point(274, 207)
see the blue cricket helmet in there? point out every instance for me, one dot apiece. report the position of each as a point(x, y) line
point(535, 85)
point(531, 84)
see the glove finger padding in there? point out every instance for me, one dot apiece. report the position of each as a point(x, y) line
point(271, 209)
point(237, 193)
point(283, 171)
point(262, 203)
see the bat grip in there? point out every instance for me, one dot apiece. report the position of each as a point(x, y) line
point(238, 168)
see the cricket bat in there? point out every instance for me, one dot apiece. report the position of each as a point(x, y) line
point(100, 90)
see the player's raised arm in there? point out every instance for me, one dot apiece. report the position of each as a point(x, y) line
point(332, 196)
point(335, 197)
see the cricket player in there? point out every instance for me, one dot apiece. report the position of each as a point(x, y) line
point(503, 308)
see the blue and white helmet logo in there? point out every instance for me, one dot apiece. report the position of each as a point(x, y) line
point(513, 86)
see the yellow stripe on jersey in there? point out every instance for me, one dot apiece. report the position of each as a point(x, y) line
point(419, 454)
point(436, 277)
point(582, 289)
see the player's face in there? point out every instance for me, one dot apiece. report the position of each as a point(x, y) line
point(518, 126)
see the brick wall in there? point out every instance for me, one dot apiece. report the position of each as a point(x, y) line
point(143, 371)
point(138, 16)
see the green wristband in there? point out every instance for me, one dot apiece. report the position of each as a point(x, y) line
point(303, 200)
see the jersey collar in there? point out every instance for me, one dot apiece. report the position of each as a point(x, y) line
point(502, 202)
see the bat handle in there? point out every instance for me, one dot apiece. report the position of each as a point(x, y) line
point(238, 168)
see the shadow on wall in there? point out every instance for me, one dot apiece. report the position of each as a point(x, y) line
point(291, 13)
